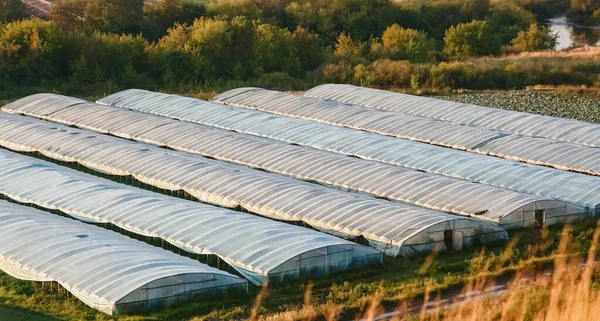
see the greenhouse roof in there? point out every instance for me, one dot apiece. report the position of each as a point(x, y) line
point(562, 129)
point(346, 214)
point(252, 245)
point(100, 267)
point(534, 150)
point(381, 180)
point(575, 188)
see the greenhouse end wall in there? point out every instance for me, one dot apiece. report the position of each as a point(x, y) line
point(325, 261)
point(174, 290)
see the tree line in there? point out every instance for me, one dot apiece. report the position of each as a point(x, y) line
point(98, 46)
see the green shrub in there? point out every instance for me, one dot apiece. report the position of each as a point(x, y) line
point(470, 39)
point(387, 73)
point(506, 20)
point(534, 39)
point(403, 44)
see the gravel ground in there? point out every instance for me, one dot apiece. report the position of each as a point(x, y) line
point(538, 102)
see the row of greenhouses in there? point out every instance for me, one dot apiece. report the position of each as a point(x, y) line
point(394, 228)
point(508, 208)
point(260, 249)
point(278, 187)
point(533, 125)
point(534, 150)
point(105, 270)
point(574, 188)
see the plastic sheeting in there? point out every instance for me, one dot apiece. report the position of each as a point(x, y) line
point(254, 246)
point(396, 229)
point(562, 129)
point(571, 187)
point(539, 151)
point(381, 180)
point(107, 271)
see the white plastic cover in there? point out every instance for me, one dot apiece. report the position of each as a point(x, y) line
point(353, 174)
point(575, 188)
point(562, 129)
point(105, 270)
point(541, 151)
point(253, 245)
point(392, 227)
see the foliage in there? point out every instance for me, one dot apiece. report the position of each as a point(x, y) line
point(506, 20)
point(436, 16)
point(534, 39)
point(163, 15)
point(403, 44)
point(117, 16)
point(470, 39)
point(196, 45)
point(584, 11)
point(359, 18)
point(11, 10)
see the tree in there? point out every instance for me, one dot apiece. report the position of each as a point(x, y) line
point(406, 44)
point(309, 48)
point(586, 6)
point(534, 39)
point(507, 19)
point(12, 10)
point(346, 47)
point(115, 16)
point(274, 50)
point(162, 16)
point(68, 14)
point(470, 39)
point(359, 18)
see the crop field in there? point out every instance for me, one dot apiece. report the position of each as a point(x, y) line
point(533, 101)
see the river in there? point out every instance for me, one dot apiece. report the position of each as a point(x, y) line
point(571, 34)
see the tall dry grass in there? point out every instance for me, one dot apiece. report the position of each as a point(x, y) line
point(564, 293)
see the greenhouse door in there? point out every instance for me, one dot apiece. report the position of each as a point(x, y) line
point(457, 241)
point(448, 239)
point(539, 218)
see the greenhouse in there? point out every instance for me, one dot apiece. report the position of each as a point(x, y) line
point(394, 228)
point(259, 249)
point(540, 151)
point(105, 270)
point(509, 209)
point(562, 129)
point(579, 189)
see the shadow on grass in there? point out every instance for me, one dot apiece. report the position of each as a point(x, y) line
point(10, 312)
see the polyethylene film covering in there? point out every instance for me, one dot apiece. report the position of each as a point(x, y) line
point(579, 189)
point(348, 215)
point(107, 271)
point(539, 151)
point(562, 129)
point(428, 190)
point(252, 245)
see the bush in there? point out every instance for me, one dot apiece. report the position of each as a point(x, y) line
point(470, 39)
point(506, 20)
point(534, 39)
point(404, 44)
point(388, 73)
